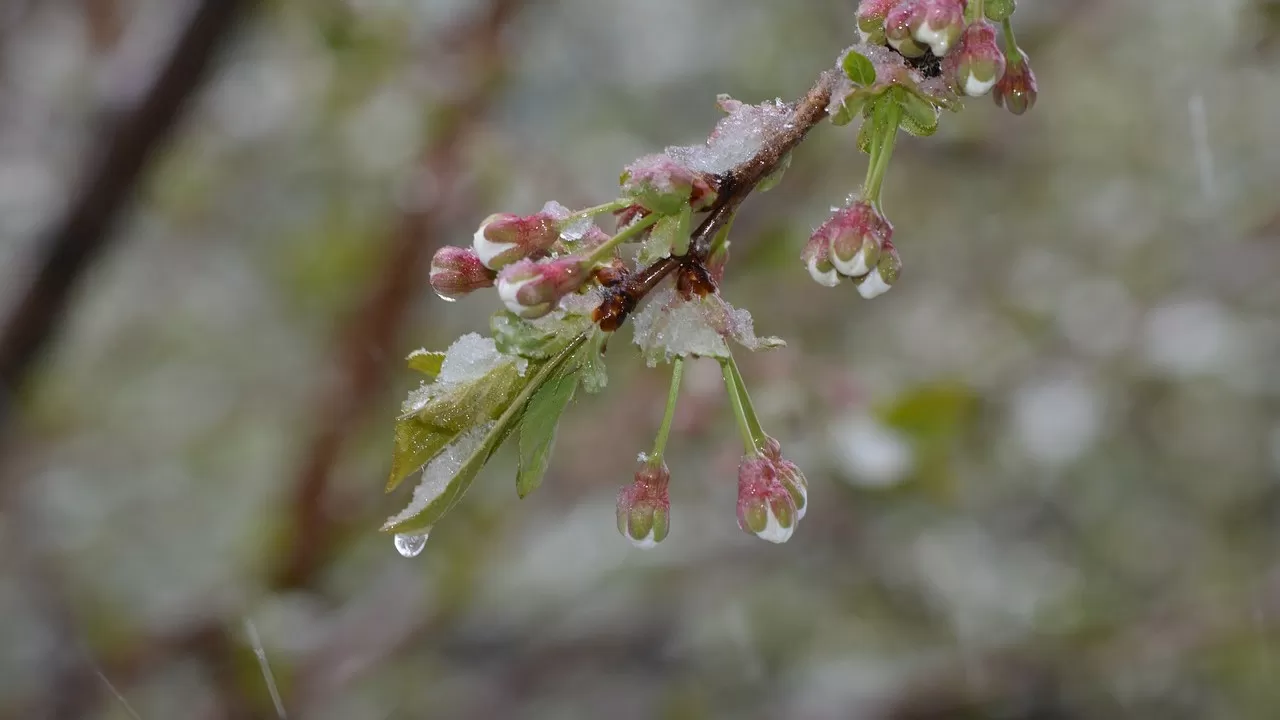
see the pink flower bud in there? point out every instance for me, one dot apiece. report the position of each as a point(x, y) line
point(644, 507)
point(816, 257)
point(505, 238)
point(871, 16)
point(661, 184)
point(457, 271)
point(532, 289)
point(876, 283)
point(978, 64)
point(940, 25)
point(1016, 91)
point(855, 234)
point(789, 475)
point(899, 25)
point(765, 507)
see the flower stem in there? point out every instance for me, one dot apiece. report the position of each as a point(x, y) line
point(739, 414)
point(660, 443)
point(627, 233)
point(1010, 43)
point(977, 11)
point(886, 117)
point(610, 206)
point(753, 422)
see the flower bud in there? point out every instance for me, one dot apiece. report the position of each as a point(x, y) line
point(816, 257)
point(855, 234)
point(939, 25)
point(661, 184)
point(457, 271)
point(765, 507)
point(788, 474)
point(532, 289)
point(979, 63)
point(505, 238)
point(899, 25)
point(644, 506)
point(871, 16)
point(874, 284)
point(1016, 91)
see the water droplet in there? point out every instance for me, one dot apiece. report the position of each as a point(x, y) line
point(410, 544)
point(446, 298)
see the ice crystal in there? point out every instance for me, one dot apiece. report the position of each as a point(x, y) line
point(736, 138)
point(437, 474)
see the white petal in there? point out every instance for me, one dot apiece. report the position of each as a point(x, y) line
point(937, 40)
point(507, 293)
point(855, 266)
point(873, 286)
point(973, 87)
point(773, 530)
point(830, 278)
point(487, 249)
point(645, 543)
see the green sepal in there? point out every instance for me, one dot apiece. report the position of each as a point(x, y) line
point(858, 68)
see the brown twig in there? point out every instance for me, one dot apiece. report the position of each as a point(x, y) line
point(734, 187)
point(71, 245)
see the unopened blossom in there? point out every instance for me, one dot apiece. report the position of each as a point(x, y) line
point(644, 506)
point(871, 16)
point(888, 268)
point(855, 234)
point(765, 506)
point(1016, 91)
point(663, 185)
point(532, 288)
point(898, 26)
point(505, 238)
point(978, 63)
point(816, 257)
point(789, 475)
point(457, 271)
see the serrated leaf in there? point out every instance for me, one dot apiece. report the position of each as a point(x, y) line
point(513, 335)
point(427, 363)
point(416, 443)
point(866, 135)
point(595, 376)
point(661, 238)
point(858, 68)
point(919, 116)
point(458, 485)
point(538, 427)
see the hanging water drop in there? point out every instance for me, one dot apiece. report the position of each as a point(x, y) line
point(445, 298)
point(410, 544)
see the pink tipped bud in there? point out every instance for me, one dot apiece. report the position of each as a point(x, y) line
point(979, 63)
point(1016, 91)
point(871, 16)
point(855, 234)
point(899, 25)
point(661, 184)
point(644, 507)
point(876, 283)
point(816, 257)
point(532, 289)
point(457, 271)
point(765, 507)
point(939, 25)
point(789, 475)
point(505, 238)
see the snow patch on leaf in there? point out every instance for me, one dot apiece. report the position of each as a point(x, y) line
point(469, 358)
point(670, 327)
point(440, 471)
point(736, 138)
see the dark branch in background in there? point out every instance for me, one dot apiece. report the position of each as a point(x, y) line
point(734, 187)
point(71, 245)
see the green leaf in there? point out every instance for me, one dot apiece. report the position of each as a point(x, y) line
point(680, 237)
point(416, 443)
point(514, 335)
point(427, 363)
point(858, 68)
point(919, 116)
point(458, 485)
point(595, 375)
point(538, 427)
point(661, 239)
point(771, 180)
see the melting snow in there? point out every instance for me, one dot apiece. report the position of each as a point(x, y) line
point(440, 471)
point(670, 327)
point(736, 138)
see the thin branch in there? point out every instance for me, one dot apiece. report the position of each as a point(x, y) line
point(72, 244)
point(734, 187)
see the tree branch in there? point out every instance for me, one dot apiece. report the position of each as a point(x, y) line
point(71, 245)
point(734, 187)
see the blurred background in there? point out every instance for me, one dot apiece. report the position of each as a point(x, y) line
point(1043, 469)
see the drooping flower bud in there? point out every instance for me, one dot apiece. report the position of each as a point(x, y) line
point(816, 257)
point(979, 63)
point(1016, 91)
point(874, 284)
point(899, 25)
point(765, 507)
point(939, 25)
point(856, 233)
point(532, 289)
point(644, 506)
point(871, 16)
point(663, 185)
point(457, 271)
point(789, 475)
point(505, 238)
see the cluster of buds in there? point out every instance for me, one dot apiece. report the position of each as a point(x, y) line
point(644, 506)
point(772, 494)
point(856, 242)
point(962, 35)
point(660, 184)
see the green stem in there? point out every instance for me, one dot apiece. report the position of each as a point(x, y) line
point(739, 412)
point(631, 231)
point(1011, 53)
point(721, 239)
point(976, 10)
point(753, 422)
point(660, 443)
point(611, 206)
point(887, 116)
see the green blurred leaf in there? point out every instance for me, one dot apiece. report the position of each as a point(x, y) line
point(934, 419)
point(538, 427)
point(425, 362)
point(858, 68)
point(919, 116)
point(515, 336)
point(595, 375)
